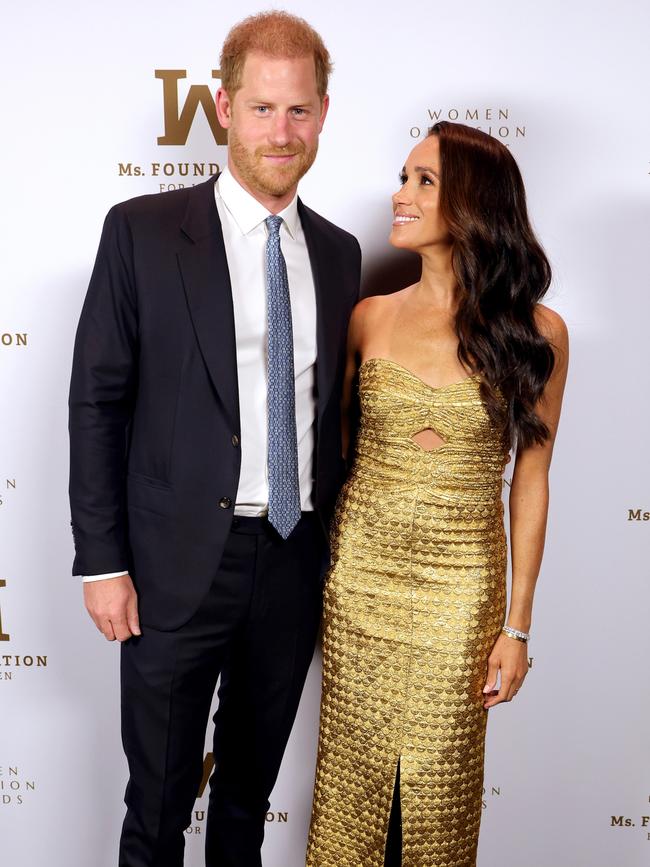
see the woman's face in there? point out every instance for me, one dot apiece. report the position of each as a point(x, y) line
point(417, 222)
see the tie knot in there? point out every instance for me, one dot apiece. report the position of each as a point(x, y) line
point(273, 224)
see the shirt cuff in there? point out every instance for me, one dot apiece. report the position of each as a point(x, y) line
point(88, 578)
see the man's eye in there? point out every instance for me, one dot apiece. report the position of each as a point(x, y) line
point(262, 109)
point(299, 111)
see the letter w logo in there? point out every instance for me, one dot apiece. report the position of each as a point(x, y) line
point(177, 125)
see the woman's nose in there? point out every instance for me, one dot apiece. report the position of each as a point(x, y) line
point(401, 196)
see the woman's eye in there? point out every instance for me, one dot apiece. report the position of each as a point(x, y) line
point(403, 178)
point(426, 181)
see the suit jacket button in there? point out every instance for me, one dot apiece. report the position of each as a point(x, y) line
point(225, 502)
point(234, 440)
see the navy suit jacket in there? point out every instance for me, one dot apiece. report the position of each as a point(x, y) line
point(154, 404)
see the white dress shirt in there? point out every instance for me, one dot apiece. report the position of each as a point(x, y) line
point(245, 234)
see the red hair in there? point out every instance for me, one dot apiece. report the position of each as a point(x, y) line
point(276, 34)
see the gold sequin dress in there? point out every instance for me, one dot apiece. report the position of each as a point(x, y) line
point(414, 601)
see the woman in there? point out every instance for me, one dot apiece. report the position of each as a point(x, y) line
point(454, 371)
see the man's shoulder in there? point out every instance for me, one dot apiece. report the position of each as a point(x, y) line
point(330, 231)
point(157, 208)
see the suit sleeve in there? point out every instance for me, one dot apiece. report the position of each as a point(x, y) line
point(102, 394)
point(357, 259)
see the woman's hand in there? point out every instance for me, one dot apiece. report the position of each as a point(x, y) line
point(510, 657)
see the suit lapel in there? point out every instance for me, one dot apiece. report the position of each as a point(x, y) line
point(328, 320)
point(206, 280)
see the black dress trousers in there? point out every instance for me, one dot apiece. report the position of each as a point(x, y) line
point(256, 628)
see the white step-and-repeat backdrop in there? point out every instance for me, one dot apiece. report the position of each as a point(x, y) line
point(102, 102)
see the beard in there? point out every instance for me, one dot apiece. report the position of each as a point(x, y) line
point(268, 179)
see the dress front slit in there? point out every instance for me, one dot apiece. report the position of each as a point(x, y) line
point(393, 848)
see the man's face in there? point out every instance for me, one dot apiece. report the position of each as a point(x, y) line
point(273, 123)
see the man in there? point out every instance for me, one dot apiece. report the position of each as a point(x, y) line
point(205, 450)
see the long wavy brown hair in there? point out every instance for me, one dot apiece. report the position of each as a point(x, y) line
point(501, 273)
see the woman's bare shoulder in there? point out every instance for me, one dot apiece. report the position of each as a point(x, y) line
point(377, 305)
point(552, 326)
point(366, 316)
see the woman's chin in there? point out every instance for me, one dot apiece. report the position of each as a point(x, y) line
point(400, 242)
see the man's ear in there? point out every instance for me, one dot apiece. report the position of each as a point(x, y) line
point(224, 108)
point(325, 104)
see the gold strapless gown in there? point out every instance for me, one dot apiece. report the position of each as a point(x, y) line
point(414, 601)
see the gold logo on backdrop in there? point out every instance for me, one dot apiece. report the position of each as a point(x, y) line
point(4, 636)
point(178, 123)
point(13, 786)
point(642, 822)
point(496, 122)
point(637, 515)
point(18, 338)
point(178, 120)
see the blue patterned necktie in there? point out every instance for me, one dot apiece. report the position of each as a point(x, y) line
point(284, 487)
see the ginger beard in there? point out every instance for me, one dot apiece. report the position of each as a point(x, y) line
point(272, 180)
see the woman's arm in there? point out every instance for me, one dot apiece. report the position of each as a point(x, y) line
point(528, 514)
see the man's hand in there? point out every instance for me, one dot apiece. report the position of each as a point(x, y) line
point(113, 605)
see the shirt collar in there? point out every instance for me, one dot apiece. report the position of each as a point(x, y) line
point(246, 211)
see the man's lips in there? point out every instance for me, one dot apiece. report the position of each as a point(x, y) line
point(280, 159)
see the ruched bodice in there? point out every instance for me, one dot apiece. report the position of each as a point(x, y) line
point(414, 601)
point(396, 404)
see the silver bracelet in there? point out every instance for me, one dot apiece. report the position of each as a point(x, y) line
point(516, 633)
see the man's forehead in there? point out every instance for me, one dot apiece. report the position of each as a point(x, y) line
point(273, 69)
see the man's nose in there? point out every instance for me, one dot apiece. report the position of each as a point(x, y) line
point(280, 135)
